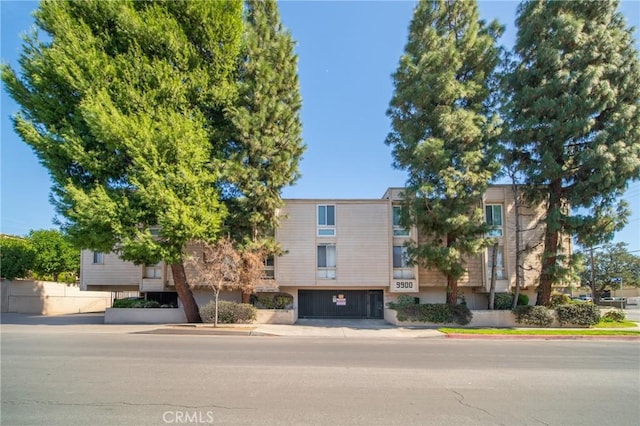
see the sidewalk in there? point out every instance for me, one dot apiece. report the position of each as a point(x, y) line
point(317, 328)
point(364, 329)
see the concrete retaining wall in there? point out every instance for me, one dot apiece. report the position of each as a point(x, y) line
point(144, 316)
point(177, 316)
point(50, 298)
point(276, 316)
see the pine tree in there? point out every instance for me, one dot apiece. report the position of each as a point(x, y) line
point(574, 119)
point(125, 107)
point(266, 127)
point(444, 132)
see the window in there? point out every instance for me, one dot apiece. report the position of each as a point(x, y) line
point(327, 261)
point(398, 230)
point(493, 214)
point(153, 271)
point(98, 258)
point(326, 221)
point(401, 267)
point(500, 270)
point(269, 272)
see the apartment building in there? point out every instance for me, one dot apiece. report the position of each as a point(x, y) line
point(345, 258)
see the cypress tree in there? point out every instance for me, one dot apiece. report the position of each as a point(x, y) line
point(444, 132)
point(125, 107)
point(574, 121)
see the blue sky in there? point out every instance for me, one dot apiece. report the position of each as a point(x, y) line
point(347, 52)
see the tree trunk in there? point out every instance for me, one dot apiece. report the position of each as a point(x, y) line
point(519, 252)
point(56, 275)
point(551, 239)
point(184, 293)
point(492, 287)
point(452, 290)
point(595, 295)
point(217, 296)
point(452, 282)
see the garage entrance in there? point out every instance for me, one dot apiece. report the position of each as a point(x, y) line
point(340, 304)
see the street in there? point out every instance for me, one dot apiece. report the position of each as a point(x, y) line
point(109, 375)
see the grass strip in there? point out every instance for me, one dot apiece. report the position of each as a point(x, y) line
point(610, 324)
point(541, 332)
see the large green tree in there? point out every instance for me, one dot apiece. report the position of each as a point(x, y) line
point(266, 140)
point(17, 257)
point(574, 121)
point(444, 132)
point(54, 253)
point(124, 104)
point(609, 262)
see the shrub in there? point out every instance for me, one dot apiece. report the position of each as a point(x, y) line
point(461, 314)
point(582, 314)
point(523, 300)
point(559, 299)
point(272, 301)
point(616, 315)
point(403, 301)
point(503, 301)
point(436, 313)
point(135, 303)
point(533, 315)
point(228, 312)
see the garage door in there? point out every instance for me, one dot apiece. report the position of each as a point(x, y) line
point(340, 304)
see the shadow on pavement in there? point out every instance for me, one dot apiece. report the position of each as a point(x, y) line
point(69, 319)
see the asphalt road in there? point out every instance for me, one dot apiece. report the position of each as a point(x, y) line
point(101, 375)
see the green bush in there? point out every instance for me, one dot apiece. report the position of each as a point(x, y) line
point(403, 301)
point(228, 312)
point(559, 299)
point(435, 313)
point(503, 301)
point(617, 315)
point(272, 301)
point(135, 303)
point(533, 315)
point(579, 314)
point(523, 300)
point(461, 314)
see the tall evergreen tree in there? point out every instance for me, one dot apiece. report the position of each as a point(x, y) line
point(444, 132)
point(125, 107)
point(266, 142)
point(573, 111)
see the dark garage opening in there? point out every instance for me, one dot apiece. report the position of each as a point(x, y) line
point(352, 304)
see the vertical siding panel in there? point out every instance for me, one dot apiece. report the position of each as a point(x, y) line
point(363, 248)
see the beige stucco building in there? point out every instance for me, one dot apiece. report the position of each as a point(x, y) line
point(345, 258)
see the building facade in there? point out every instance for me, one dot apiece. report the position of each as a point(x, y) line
point(346, 259)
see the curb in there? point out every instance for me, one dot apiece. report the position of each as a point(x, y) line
point(540, 337)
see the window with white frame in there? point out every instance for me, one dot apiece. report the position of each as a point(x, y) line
point(269, 272)
point(327, 261)
point(500, 269)
point(153, 271)
point(398, 230)
point(326, 220)
point(401, 267)
point(493, 213)
point(98, 258)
